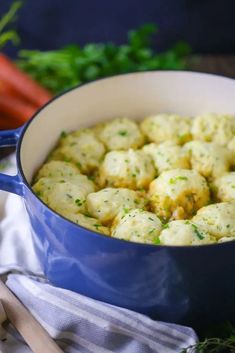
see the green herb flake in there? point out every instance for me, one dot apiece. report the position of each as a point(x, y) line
point(97, 226)
point(174, 180)
point(63, 134)
point(198, 234)
point(122, 133)
point(79, 202)
point(181, 178)
point(156, 241)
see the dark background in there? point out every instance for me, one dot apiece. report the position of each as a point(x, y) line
point(207, 25)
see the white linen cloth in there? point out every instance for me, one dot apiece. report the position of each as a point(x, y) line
point(78, 324)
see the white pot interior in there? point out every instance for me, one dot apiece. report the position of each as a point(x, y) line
point(134, 95)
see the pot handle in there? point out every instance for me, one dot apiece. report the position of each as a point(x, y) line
point(7, 182)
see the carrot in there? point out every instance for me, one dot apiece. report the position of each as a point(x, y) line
point(6, 89)
point(22, 83)
point(6, 122)
point(16, 108)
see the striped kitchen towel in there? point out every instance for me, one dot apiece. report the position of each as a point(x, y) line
point(81, 324)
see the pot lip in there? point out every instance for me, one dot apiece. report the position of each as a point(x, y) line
point(95, 233)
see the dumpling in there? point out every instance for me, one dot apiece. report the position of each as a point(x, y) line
point(63, 196)
point(211, 127)
point(182, 233)
point(81, 147)
point(208, 158)
point(121, 134)
point(87, 222)
point(57, 169)
point(218, 219)
point(137, 225)
point(167, 155)
point(224, 187)
point(225, 239)
point(131, 169)
point(178, 194)
point(106, 203)
point(231, 147)
point(162, 127)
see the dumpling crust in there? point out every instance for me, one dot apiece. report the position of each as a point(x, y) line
point(137, 225)
point(218, 219)
point(224, 187)
point(81, 147)
point(209, 159)
point(211, 127)
point(121, 134)
point(178, 194)
point(182, 233)
point(167, 156)
point(107, 203)
point(163, 127)
point(131, 169)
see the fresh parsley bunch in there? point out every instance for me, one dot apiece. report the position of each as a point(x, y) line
point(58, 70)
point(9, 35)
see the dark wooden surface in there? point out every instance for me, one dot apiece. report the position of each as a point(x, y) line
point(217, 64)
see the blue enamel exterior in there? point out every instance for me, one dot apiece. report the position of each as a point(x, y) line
point(10, 183)
point(189, 285)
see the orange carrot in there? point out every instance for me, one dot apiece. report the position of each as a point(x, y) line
point(6, 89)
point(22, 83)
point(6, 122)
point(16, 108)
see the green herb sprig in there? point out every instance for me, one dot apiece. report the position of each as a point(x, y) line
point(10, 17)
point(216, 339)
point(213, 345)
point(61, 69)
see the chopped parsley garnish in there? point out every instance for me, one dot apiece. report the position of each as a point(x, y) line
point(63, 134)
point(97, 226)
point(123, 133)
point(174, 180)
point(181, 178)
point(196, 231)
point(157, 241)
point(79, 202)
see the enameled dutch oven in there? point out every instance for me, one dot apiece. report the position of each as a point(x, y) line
point(178, 284)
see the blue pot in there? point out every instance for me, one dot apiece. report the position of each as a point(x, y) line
point(177, 284)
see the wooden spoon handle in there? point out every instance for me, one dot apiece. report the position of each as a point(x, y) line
point(34, 334)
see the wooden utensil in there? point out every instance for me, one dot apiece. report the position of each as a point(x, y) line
point(34, 334)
